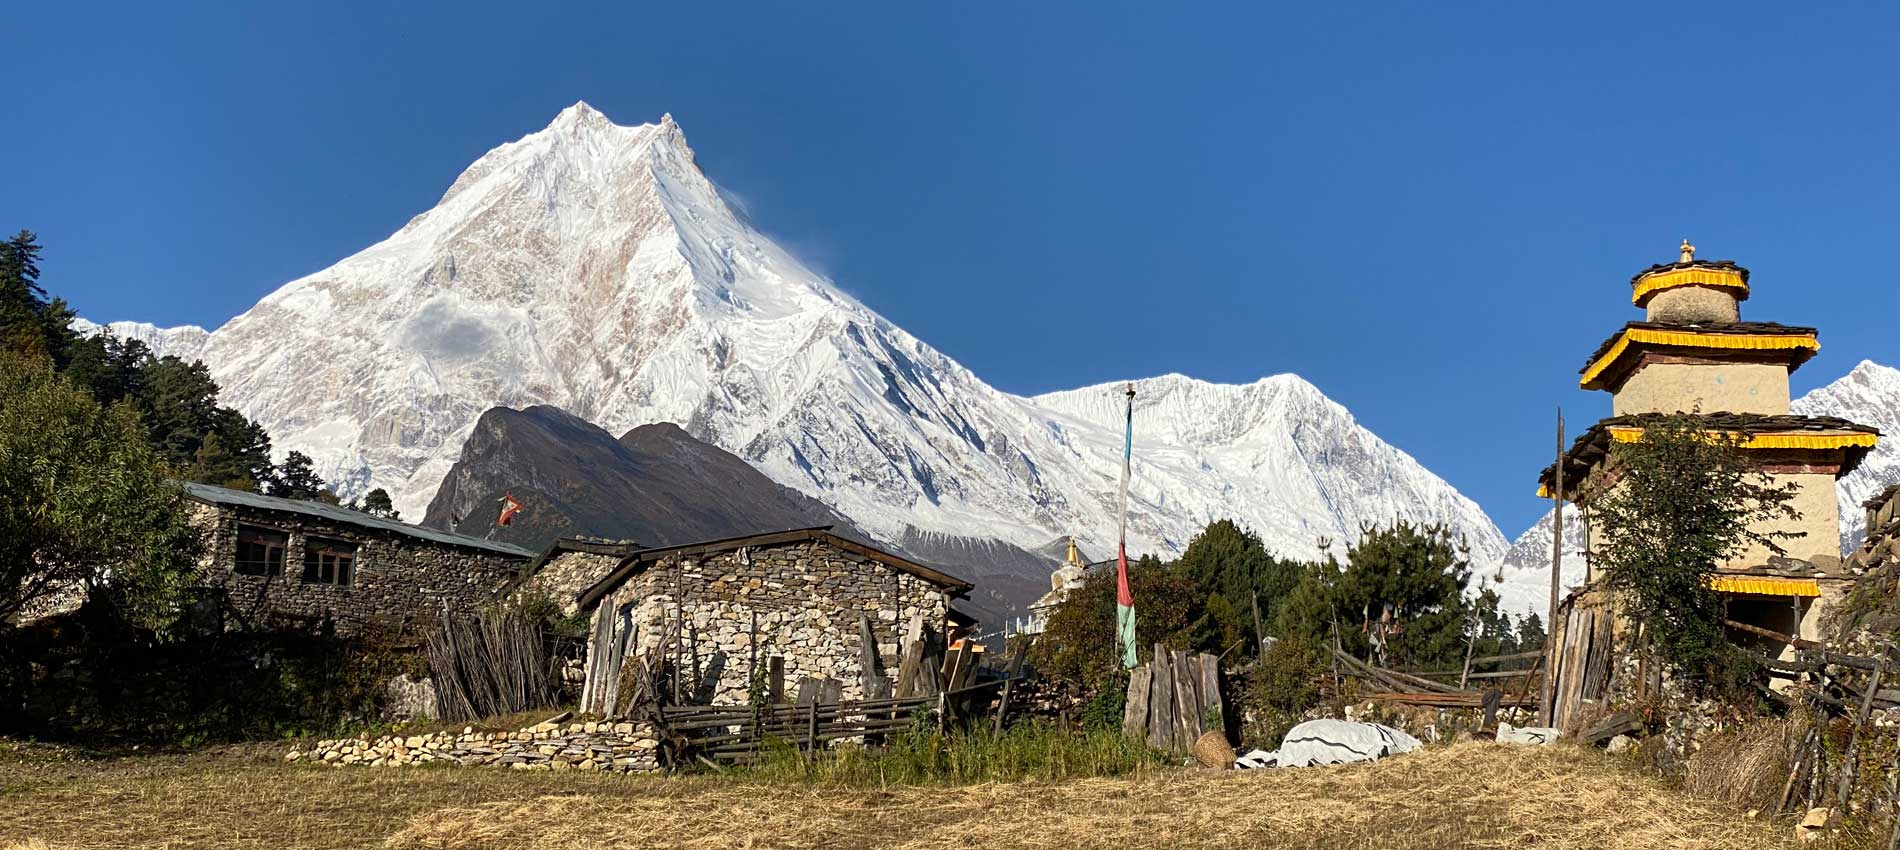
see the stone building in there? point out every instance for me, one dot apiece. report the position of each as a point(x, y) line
point(1693, 353)
point(692, 608)
point(306, 561)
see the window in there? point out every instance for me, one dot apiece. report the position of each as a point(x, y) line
point(329, 562)
point(260, 551)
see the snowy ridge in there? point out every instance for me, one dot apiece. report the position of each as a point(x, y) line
point(1870, 395)
point(592, 267)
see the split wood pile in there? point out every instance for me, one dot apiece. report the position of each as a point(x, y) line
point(489, 665)
point(1174, 700)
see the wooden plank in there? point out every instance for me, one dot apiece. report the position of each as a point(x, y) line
point(1161, 702)
point(775, 680)
point(1010, 673)
point(1846, 786)
point(870, 664)
point(1187, 702)
point(1791, 640)
point(1135, 713)
point(913, 657)
point(1212, 706)
point(1620, 723)
point(807, 691)
point(830, 691)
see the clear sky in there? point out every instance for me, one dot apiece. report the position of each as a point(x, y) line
point(1431, 214)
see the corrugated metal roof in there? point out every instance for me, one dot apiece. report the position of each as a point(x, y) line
point(334, 513)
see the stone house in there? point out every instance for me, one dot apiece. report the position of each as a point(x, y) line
point(306, 561)
point(693, 607)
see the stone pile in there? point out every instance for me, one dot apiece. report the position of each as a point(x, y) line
point(617, 746)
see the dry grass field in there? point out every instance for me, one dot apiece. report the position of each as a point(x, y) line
point(1470, 795)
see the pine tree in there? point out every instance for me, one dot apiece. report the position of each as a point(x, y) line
point(377, 503)
point(30, 323)
point(1232, 563)
point(1530, 633)
point(297, 480)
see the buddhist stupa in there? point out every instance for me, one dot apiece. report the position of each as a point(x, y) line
point(1692, 353)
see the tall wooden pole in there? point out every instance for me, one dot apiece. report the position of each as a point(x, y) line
point(1545, 711)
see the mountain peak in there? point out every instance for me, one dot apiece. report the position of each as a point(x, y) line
point(580, 114)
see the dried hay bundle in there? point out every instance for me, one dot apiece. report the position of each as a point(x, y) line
point(1746, 765)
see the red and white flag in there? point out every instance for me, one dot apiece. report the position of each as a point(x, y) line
point(509, 507)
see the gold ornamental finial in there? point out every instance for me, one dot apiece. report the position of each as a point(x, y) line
point(1688, 250)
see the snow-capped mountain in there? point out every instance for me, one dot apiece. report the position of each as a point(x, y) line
point(1870, 395)
point(593, 267)
point(1522, 580)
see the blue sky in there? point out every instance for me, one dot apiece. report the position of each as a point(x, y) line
point(1431, 214)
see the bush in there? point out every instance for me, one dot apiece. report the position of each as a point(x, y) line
point(1282, 688)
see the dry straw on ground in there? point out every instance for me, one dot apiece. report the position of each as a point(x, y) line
point(1471, 795)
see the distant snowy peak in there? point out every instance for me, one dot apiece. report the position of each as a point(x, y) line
point(1870, 395)
point(186, 342)
point(1523, 581)
point(593, 267)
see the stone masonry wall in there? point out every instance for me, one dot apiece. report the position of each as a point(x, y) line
point(569, 574)
point(398, 580)
point(808, 596)
point(616, 746)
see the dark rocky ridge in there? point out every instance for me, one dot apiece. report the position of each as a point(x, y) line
point(656, 485)
point(659, 486)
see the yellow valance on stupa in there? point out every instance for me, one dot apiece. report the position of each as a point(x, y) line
point(1694, 339)
point(1764, 585)
point(1725, 278)
point(1773, 441)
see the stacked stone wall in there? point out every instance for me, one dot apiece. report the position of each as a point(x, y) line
point(399, 580)
point(600, 746)
point(569, 574)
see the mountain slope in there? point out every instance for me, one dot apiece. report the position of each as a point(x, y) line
point(592, 267)
point(1870, 395)
point(655, 485)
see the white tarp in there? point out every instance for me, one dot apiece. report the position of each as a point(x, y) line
point(1331, 742)
point(1533, 735)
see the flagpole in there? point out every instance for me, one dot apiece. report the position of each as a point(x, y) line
point(1124, 599)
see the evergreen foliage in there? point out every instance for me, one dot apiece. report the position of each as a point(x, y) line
point(377, 503)
point(1400, 600)
point(1683, 504)
point(177, 401)
point(296, 479)
point(1233, 566)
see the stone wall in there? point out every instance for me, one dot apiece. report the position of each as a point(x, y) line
point(399, 580)
point(569, 574)
point(617, 746)
point(808, 596)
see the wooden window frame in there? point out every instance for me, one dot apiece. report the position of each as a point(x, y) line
point(330, 561)
point(268, 566)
